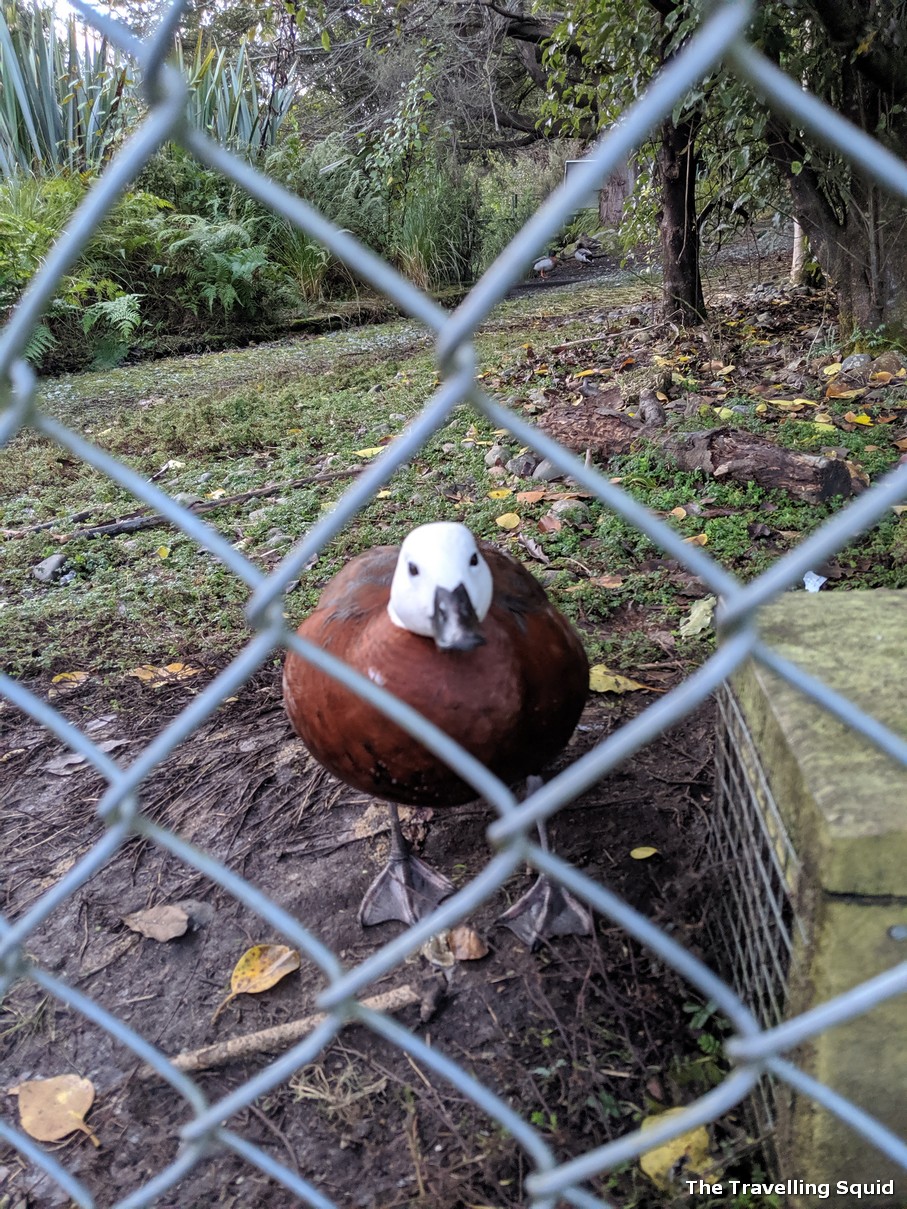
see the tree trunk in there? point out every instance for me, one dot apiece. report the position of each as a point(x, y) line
point(682, 286)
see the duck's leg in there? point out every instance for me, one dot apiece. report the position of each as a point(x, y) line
point(406, 888)
point(547, 909)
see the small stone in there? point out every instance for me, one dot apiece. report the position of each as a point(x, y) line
point(448, 447)
point(497, 472)
point(187, 499)
point(497, 455)
point(523, 465)
point(855, 361)
point(258, 514)
point(889, 362)
point(546, 471)
point(204, 478)
point(571, 510)
point(50, 568)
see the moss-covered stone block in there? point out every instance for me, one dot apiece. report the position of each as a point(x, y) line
point(844, 805)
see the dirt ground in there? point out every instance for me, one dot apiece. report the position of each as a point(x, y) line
point(583, 1036)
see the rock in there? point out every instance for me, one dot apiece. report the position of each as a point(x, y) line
point(49, 569)
point(258, 514)
point(571, 510)
point(887, 363)
point(523, 465)
point(497, 472)
point(187, 499)
point(856, 361)
point(497, 455)
point(546, 471)
point(448, 447)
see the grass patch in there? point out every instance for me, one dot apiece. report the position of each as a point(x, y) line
point(231, 422)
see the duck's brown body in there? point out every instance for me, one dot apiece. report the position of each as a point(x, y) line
point(512, 702)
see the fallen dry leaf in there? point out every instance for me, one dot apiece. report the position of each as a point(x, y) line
point(603, 680)
point(853, 417)
point(643, 852)
point(466, 944)
point(259, 969)
point(499, 493)
point(371, 452)
point(156, 676)
point(51, 1109)
point(72, 678)
point(700, 539)
point(699, 617)
point(530, 497)
point(509, 520)
point(158, 923)
point(550, 524)
point(688, 1154)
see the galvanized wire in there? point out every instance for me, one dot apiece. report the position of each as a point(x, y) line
point(758, 1045)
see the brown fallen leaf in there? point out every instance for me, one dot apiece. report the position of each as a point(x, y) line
point(550, 524)
point(597, 581)
point(51, 1109)
point(158, 923)
point(466, 944)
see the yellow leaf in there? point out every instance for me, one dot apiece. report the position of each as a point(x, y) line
point(163, 551)
point(723, 413)
point(680, 512)
point(509, 520)
point(371, 452)
point(218, 492)
point(259, 968)
point(70, 678)
point(701, 539)
point(687, 1154)
point(822, 417)
point(661, 396)
point(382, 495)
point(881, 377)
point(603, 680)
point(830, 370)
point(499, 493)
point(293, 432)
point(727, 369)
point(761, 408)
point(643, 853)
point(51, 1109)
point(852, 418)
point(786, 404)
point(585, 373)
point(156, 676)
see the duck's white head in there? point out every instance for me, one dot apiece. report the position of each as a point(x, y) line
point(442, 586)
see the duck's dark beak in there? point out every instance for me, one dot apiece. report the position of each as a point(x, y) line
point(454, 621)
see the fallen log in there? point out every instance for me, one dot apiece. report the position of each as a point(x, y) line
point(721, 453)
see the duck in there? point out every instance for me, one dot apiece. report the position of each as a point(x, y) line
point(547, 264)
point(583, 255)
point(465, 634)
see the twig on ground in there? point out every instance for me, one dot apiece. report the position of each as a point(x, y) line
point(141, 520)
point(278, 1037)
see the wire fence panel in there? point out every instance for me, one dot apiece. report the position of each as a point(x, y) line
point(758, 1044)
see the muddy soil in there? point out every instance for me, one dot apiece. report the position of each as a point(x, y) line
point(582, 1037)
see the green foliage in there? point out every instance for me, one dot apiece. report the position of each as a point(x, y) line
point(65, 101)
point(511, 188)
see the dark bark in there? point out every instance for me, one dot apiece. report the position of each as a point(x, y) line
point(678, 226)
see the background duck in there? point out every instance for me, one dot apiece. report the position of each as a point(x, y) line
point(546, 264)
point(466, 635)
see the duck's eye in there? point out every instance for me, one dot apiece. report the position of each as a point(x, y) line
point(413, 569)
point(474, 561)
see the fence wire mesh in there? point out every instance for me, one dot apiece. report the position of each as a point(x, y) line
point(758, 1044)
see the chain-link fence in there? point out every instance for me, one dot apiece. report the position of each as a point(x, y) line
point(754, 1049)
